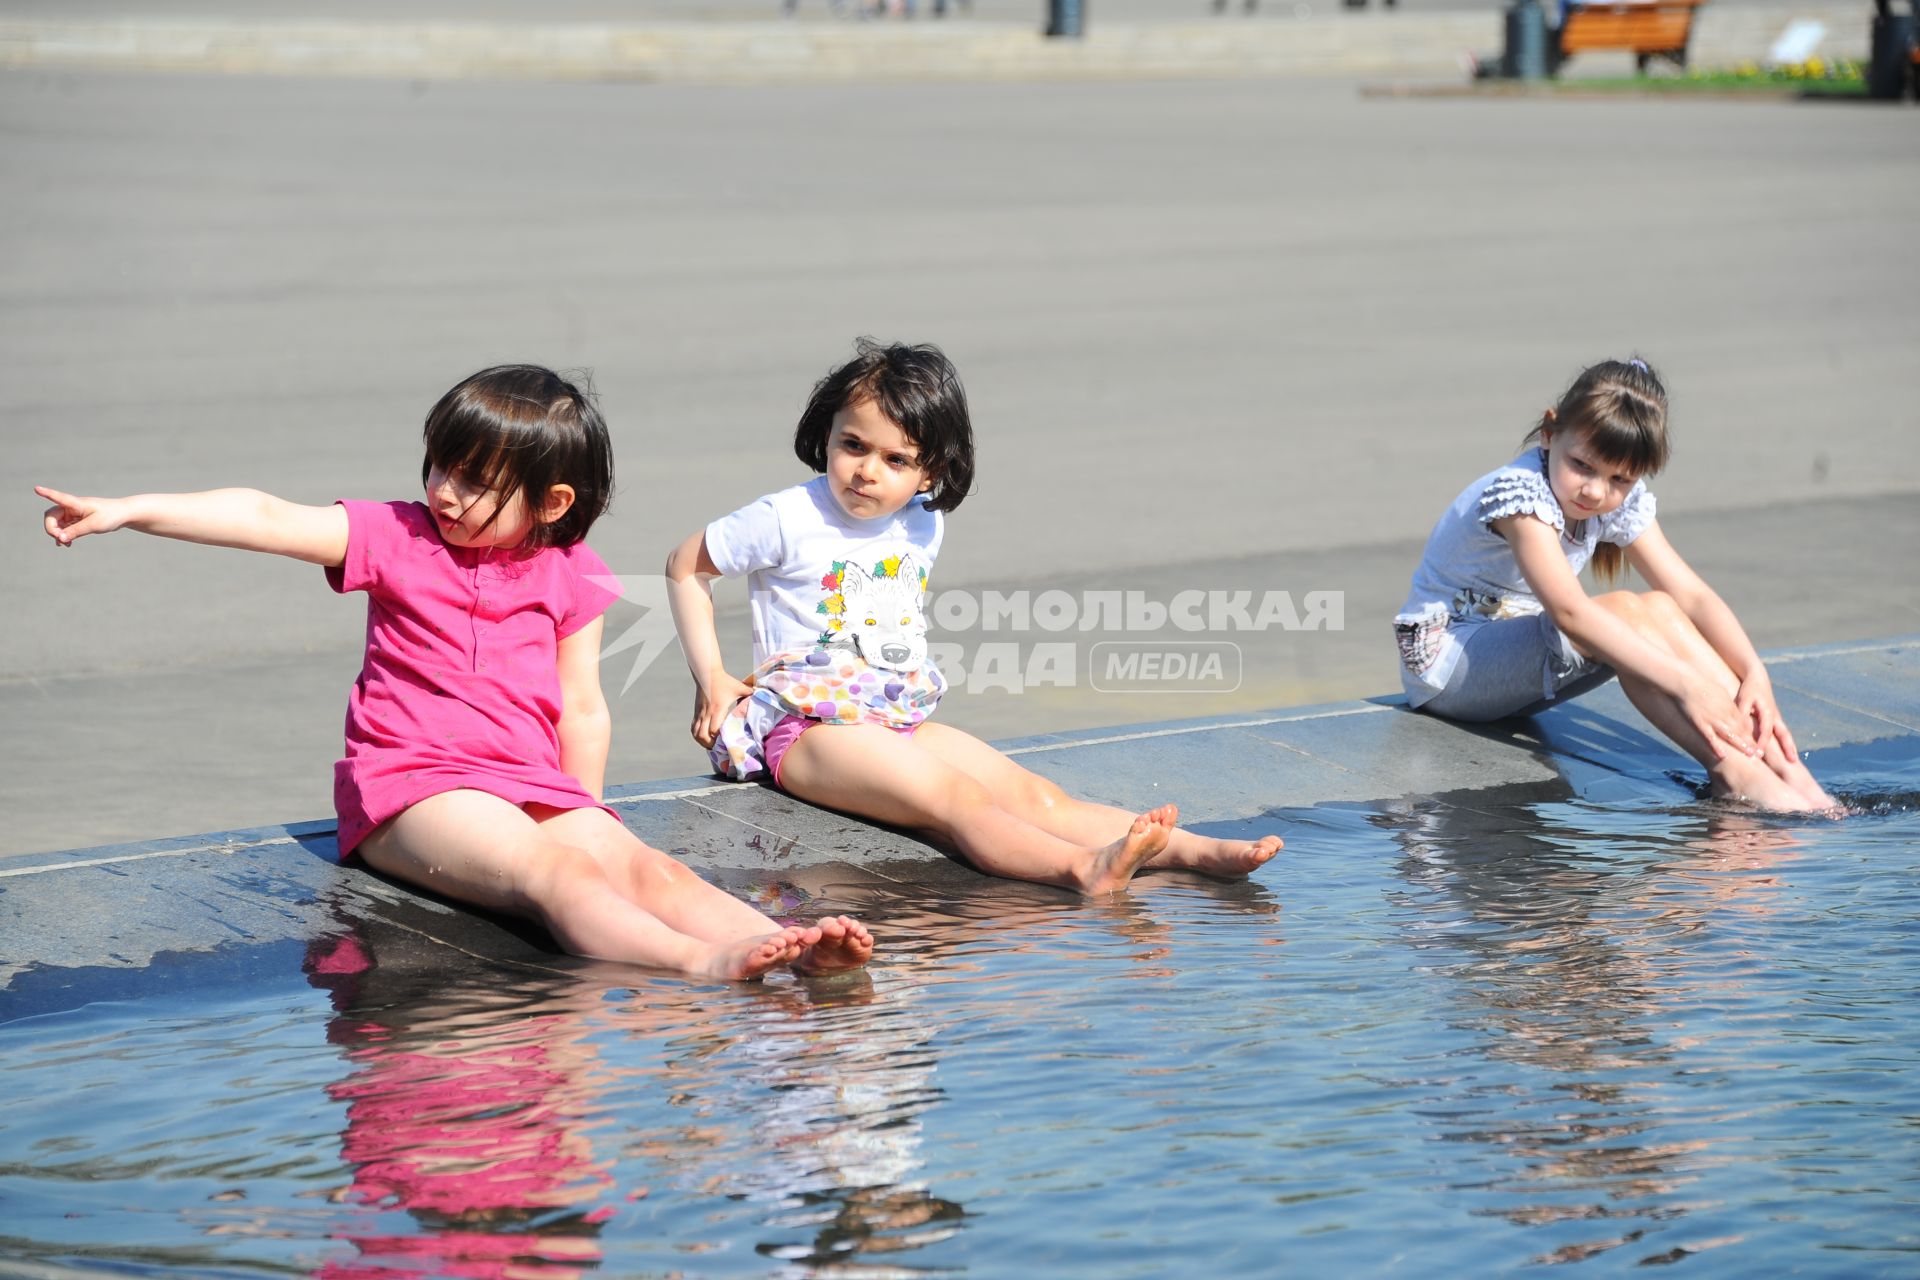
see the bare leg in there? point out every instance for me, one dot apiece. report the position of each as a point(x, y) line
point(669, 889)
point(1041, 802)
point(479, 849)
point(875, 773)
point(1670, 621)
point(1760, 782)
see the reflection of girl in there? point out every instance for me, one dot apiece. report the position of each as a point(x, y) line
point(1589, 975)
point(472, 1123)
point(836, 1120)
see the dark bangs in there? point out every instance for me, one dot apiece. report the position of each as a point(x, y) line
point(521, 428)
point(1619, 407)
point(918, 389)
point(1627, 429)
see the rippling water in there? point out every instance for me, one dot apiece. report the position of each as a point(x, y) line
point(1491, 1031)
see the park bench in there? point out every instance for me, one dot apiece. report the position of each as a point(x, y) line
point(1645, 28)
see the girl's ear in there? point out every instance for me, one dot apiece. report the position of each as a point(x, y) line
point(558, 502)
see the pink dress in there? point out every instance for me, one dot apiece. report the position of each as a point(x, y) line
point(461, 684)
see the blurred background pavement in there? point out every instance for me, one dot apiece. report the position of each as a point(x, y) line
point(763, 41)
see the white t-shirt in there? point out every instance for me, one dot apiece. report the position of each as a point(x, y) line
point(816, 576)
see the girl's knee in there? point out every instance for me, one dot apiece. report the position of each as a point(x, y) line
point(555, 869)
point(1043, 794)
point(1646, 612)
point(656, 870)
point(1628, 606)
point(962, 791)
point(1664, 608)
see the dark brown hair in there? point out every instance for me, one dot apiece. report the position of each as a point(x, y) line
point(521, 428)
point(1619, 407)
point(918, 390)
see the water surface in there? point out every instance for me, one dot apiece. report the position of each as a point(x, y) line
point(1488, 1031)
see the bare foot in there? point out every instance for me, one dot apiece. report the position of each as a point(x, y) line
point(1801, 780)
point(751, 958)
point(1750, 782)
point(1109, 869)
point(844, 944)
point(1225, 859)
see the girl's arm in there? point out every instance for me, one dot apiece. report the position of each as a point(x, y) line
point(585, 728)
point(1597, 633)
point(1654, 559)
point(243, 518)
point(690, 571)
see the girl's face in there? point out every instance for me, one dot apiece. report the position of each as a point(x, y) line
point(1585, 484)
point(462, 509)
point(873, 469)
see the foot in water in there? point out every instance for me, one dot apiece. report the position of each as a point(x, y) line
point(844, 944)
point(1224, 859)
point(1742, 780)
point(1108, 870)
point(752, 958)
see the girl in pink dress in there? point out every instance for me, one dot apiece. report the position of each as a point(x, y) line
point(477, 734)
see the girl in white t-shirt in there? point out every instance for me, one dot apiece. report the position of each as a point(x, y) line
point(836, 709)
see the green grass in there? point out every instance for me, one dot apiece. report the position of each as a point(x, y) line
point(1713, 84)
point(1816, 78)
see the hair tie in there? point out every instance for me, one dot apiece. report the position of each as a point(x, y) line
point(1639, 364)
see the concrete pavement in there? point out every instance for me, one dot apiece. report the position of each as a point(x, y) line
point(109, 923)
point(1243, 335)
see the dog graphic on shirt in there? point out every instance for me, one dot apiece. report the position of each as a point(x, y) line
point(878, 613)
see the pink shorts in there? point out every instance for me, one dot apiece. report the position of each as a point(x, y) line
point(773, 748)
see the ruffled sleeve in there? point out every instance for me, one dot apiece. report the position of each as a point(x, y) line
point(1630, 519)
point(1520, 491)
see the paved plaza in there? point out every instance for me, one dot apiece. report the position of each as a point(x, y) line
point(1233, 335)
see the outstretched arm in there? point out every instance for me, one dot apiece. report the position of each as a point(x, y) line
point(586, 727)
point(690, 572)
point(243, 518)
point(1654, 559)
point(1597, 633)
